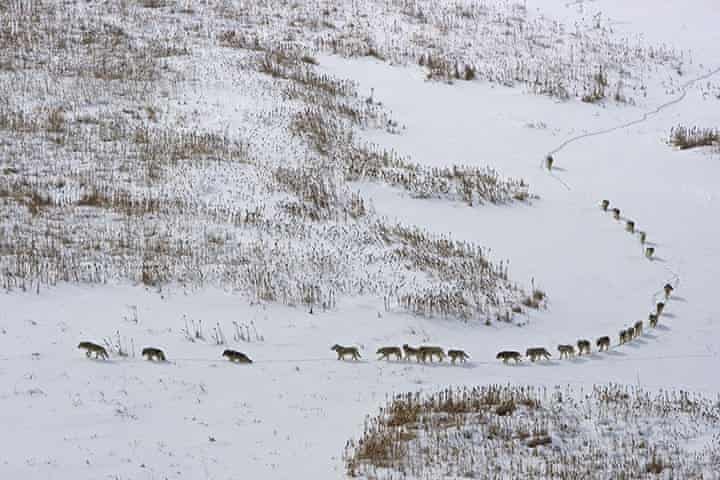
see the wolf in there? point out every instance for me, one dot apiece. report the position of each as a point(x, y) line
point(91, 348)
point(411, 352)
point(152, 353)
point(603, 343)
point(507, 355)
point(583, 347)
point(566, 351)
point(235, 356)
point(427, 351)
point(459, 355)
point(386, 352)
point(342, 352)
point(549, 162)
point(630, 331)
point(638, 328)
point(624, 336)
point(537, 352)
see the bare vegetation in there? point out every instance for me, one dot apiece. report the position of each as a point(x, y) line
point(498, 42)
point(525, 432)
point(108, 174)
point(693, 137)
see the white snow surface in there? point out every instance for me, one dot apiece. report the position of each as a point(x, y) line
point(289, 414)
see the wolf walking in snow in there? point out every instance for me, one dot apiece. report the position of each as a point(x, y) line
point(625, 336)
point(235, 356)
point(91, 348)
point(537, 352)
point(630, 333)
point(387, 352)
point(430, 352)
point(411, 352)
point(459, 355)
point(507, 355)
point(549, 160)
point(583, 346)
point(343, 352)
point(638, 328)
point(603, 343)
point(566, 351)
point(152, 353)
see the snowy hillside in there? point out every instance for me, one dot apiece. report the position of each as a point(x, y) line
point(278, 177)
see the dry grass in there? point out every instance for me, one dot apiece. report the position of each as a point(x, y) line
point(105, 178)
point(524, 432)
point(498, 42)
point(693, 137)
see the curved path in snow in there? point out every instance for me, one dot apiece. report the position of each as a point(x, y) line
point(684, 88)
point(674, 278)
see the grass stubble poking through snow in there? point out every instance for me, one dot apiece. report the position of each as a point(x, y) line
point(685, 138)
point(500, 42)
point(111, 172)
point(117, 167)
point(532, 433)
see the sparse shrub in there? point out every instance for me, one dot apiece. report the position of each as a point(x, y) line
point(469, 73)
point(655, 465)
point(495, 431)
point(56, 120)
point(692, 137)
point(505, 408)
point(153, 199)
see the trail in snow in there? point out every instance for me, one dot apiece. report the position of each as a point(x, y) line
point(645, 116)
point(674, 278)
point(684, 87)
point(470, 364)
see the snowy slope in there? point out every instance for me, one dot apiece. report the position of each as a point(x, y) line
point(290, 413)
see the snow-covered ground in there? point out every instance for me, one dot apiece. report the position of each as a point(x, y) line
point(289, 414)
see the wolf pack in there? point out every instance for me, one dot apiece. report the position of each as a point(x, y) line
point(630, 228)
point(425, 353)
point(584, 346)
point(155, 354)
point(422, 353)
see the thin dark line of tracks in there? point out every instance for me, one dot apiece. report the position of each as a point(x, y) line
point(684, 87)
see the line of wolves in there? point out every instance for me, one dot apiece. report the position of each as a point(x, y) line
point(422, 353)
point(584, 346)
point(629, 227)
point(155, 354)
point(425, 352)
